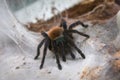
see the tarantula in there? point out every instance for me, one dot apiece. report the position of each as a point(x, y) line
point(59, 39)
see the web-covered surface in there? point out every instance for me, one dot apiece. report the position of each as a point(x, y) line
point(18, 48)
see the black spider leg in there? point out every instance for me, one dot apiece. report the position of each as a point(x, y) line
point(40, 44)
point(80, 33)
point(77, 23)
point(44, 34)
point(70, 41)
point(38, 48)
point(69, 49)
point(71, 53)
point(44, 52)
point(62, 51)
point(50, 45)
point(56, 55)
point(63, 24)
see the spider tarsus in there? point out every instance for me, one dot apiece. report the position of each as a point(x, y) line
point(79, 51)
point(73, 56)
point(64, 59)
point(83, 56)
point(59, 67)
point(35, 57)
point(87, 36)
point(41, 66)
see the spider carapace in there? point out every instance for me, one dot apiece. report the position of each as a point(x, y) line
point(60, 41)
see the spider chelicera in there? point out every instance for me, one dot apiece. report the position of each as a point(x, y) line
point(60, 40)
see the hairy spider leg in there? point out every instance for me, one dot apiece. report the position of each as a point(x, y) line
point(71, 53)
point(77, 23)
point(56, 55)
point(44, 53)
point(73, 45)
point(38, 48)
point(79, 51)
point(44, 34)
point(80, 33)
point(50, 45)
point(40, 44)
point(63, 24)
point(60, 43)
point(70, 35)
point(62, 50)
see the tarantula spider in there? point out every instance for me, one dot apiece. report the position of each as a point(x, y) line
point(60, 40)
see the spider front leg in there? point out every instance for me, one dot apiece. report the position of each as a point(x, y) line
point(40, 44)
point(56, 55)
point(77, 23)
point(44, 53)
point(38, 48)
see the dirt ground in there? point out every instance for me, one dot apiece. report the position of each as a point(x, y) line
point(95, 11)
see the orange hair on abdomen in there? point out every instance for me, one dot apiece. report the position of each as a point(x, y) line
point(55, 32)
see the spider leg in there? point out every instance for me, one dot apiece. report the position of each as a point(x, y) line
point(79, 51)
point(70, 35)
point(80, 33)
point(73, 45)
point(44, 34)
point(38, 48)
point(57, 57)
point(62, 47)
point(71, 53)
point(50, 46)
point(44, 53)
point(63, 24)
point(77, 23)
